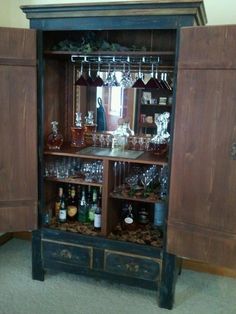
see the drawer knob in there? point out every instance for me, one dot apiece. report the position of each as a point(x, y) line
point(65, 254)
point(134, 268)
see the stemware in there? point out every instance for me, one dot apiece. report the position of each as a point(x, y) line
point(98, 81)
point(152, 83)
point(81, 81)
point(126, 79)
point(139, 83)
point(89, 78)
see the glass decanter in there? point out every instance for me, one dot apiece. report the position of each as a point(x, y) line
point(55, 139)
point(159, 143)
point(90, 126)
point(126, 128)
point(77, 131)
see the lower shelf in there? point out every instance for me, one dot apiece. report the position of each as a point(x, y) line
point(142, 234)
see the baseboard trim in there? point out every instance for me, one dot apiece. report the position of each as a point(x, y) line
point(24, 235)
point(5, 237)
point(207, 268)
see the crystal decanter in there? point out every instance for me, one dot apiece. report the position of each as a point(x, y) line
point(55, 139)
point(77, 131)
point(90, 126)
point(159, 143)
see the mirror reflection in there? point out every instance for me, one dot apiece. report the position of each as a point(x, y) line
point(110, 104)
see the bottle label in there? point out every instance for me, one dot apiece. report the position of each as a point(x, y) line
point(97, 221)
point(71, 210)
point(62, 214)
point(129, 220)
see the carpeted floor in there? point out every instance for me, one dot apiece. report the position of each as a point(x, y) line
point(61, 293)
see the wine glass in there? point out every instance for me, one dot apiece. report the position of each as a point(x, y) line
point(98, 80)
point(139, 83)
point(81, 81)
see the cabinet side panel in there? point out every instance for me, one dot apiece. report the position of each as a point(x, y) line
point(203, 175)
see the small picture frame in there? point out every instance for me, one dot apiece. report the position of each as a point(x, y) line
point(146, 97)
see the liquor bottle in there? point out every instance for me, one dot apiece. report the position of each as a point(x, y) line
point(83, 208)
point(128, 222)
point(55, 139)
point(62, 212)
point(72, 208)
point(98, 213)
point(93, 206)
point(58, 202)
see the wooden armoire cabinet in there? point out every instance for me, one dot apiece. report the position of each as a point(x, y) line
point(38, 85)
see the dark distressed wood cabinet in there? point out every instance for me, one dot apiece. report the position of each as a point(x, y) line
point(201, 221)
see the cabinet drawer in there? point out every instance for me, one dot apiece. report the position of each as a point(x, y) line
point(68, 253)
point(131, 265)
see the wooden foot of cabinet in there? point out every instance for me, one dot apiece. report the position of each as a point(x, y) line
point(170, 270)
point(37, 259)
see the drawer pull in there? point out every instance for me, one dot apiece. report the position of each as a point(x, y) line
point(65, 254)
point(134, 268)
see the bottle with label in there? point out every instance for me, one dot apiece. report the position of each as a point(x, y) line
point(98, 213)
point(83, 208)
point(128, 222)
point(93, 206)
point(72, 207)
point(58, 202)
point(62, 211)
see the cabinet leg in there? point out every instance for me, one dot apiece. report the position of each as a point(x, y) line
point(37, 262)
point(169, 272)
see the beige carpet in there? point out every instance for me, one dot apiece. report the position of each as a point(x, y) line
point(61, 293)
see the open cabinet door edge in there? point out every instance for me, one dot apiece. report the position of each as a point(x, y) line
point(202, 218)
point(18, 130)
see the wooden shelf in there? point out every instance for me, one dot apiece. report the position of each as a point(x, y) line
point(156, 105)
point(111, 53)
point(147, 125)
point(135, 198)
point(73, 181)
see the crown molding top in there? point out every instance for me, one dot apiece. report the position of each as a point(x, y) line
point(127, 8)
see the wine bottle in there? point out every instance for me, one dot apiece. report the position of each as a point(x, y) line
point(63, 211)
point(98, 213)
point(58, 202)
point(83, 208)
point(72, 208)
point(93, 206)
